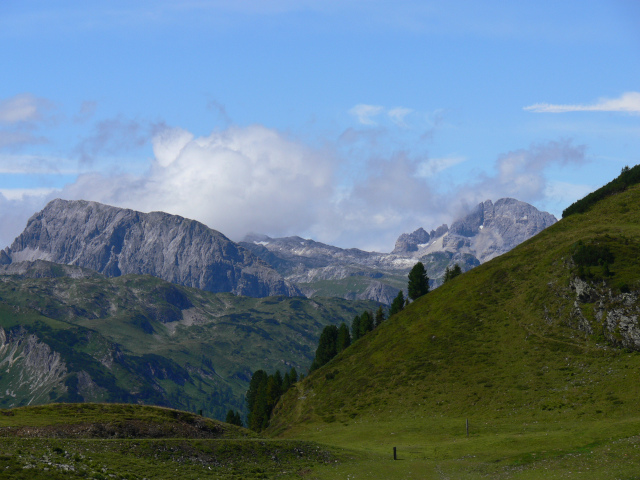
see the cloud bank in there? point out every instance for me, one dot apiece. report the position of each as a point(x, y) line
point(628, 102)
point(257, 179)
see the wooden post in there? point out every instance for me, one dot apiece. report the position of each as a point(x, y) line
point(395, 456)
point(467, 427)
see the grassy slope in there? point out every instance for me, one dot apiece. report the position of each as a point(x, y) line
point(494, 345)
point(211, 342)
point(130, 442)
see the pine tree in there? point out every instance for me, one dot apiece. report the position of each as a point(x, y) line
point(258, 416)
point(452, 272)
point(418, 281)
point(379, 317)
point(286, 382)
point(234, 418)
point(366, 323)
point(257, 379)
point(327, 347)
point(355, 328)
point(397, 305)
point(344, 339)
point(293, 375)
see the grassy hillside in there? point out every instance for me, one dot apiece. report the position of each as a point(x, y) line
point(104, 441)
point(540, 355)
point(140, 339)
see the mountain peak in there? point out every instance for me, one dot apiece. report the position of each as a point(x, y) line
point(116, 241)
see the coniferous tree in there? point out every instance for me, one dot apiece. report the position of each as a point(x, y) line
point(234, 418)
point(286, 382)
point(366, 323)
point(379, 317)
point(397, 305)
point(327, 347)
point(257, 380)
point(452, 272)
point(344, 339)
point(293, 375)
point(418, 281)
point(355, 328)
point(259, 412)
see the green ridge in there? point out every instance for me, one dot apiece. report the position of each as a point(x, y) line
point(545, 390)
point(139, 339)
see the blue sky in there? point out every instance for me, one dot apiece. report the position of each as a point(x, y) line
point(348, 121)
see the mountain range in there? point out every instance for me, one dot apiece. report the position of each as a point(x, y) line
point(318, 269)
point(115, 241)
point(99, 303)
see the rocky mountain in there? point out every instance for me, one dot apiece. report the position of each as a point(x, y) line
point(488, 231)
point(319, 269)
point(115, 241)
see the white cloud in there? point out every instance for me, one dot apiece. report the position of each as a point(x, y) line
point(169, 143)
point(365, 113)
point(628, 102)
point(521, 173)
point(21, 193)
point(22, 108)
point(433, 166)
point(397, 115)
point(235, 181)
point(257, 179)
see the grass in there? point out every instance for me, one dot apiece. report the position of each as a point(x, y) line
point(98, 441)
point(502, 345)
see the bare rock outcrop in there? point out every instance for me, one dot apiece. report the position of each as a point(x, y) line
point(115, 241)
point(615, 316)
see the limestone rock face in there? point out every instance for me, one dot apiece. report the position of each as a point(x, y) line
point(489, 230)
point(116, 241)
point(616, 316)
point(408, 242)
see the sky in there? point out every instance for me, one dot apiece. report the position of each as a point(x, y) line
point(346, 121)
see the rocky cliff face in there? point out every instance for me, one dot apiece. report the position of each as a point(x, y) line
point(30, 369)
point(319, 269)
point(488, 231)
point(614, 316)
point(115, 241)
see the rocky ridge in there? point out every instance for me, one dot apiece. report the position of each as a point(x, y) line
point(487, 231)
point(115, 241)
